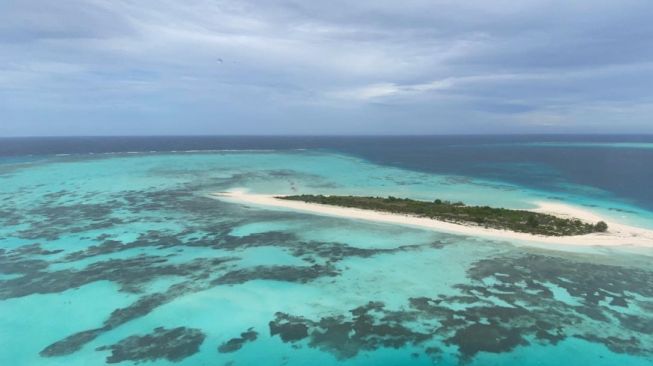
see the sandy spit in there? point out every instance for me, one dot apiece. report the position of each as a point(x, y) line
point(617, 235)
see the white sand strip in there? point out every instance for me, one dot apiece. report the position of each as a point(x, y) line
point(617, 235)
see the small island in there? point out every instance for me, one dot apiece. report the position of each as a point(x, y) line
point(457, 212)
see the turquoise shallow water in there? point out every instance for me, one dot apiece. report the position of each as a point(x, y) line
point(124, 259)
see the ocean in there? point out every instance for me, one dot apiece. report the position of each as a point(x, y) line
point(112, 251)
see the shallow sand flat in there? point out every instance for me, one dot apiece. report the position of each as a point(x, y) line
point(617, 235)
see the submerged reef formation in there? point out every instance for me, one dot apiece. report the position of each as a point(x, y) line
point(170, 344)
point(234, 344)
point(518, 308)
point(159, 246)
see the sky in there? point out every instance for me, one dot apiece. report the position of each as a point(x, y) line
point(161, 67)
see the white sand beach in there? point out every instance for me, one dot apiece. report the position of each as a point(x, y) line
point(617, 234)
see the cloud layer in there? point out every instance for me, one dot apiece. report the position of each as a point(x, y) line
point(297, 67)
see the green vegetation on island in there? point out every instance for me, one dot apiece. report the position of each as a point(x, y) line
point(457, 212)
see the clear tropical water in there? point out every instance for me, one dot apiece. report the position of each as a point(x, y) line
point(111, 253)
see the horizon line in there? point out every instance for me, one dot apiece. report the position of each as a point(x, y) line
point(647, 134)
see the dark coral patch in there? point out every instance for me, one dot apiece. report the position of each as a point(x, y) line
point(16, 261)
point(130, 273)
point(71, 343)
point(237, 343)
point(170, 344)
point(486, 338)
point(50, 220)
point(368, 327)
point(630, 345)
point(289, 328)
point(301, 274)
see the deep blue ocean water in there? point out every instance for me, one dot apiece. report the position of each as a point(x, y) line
point(616, 165)
point(112, 252)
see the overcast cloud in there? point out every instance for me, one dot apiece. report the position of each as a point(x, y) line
point(96, 67)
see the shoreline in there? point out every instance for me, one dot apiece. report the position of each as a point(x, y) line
point(617, 234)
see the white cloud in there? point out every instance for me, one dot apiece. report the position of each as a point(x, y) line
point(382, 90)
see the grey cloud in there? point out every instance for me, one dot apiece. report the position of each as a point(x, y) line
point(444, 66)
point(32, 20)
